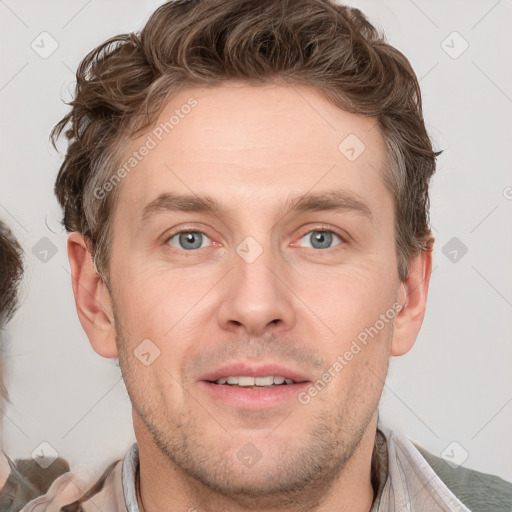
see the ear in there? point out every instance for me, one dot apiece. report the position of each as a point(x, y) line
point(413, 297)
point(92, 298)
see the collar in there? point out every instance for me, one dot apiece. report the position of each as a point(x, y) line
point(401, 477)
point(129, 478)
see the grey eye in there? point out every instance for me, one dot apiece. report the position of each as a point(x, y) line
point(321, 239)
point(188, 240)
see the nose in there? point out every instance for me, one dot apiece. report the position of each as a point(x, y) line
point(257, 299)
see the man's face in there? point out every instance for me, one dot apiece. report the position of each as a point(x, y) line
point(255, 290)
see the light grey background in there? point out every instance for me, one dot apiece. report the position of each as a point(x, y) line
point(454, 387)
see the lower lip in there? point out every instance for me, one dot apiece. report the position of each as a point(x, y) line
point(254, 399)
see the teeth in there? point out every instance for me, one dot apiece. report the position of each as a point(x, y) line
point(246, 381)
point(254, 381)
point(264, 381)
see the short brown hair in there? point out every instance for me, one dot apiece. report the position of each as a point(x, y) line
point(124, 83)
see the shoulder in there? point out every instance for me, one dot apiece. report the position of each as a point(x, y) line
point(478, 491)
point(73, 492)
point(28, 479)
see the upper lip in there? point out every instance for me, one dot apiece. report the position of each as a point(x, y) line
point(246, 368)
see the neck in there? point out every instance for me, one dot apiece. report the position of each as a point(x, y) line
point(163, 485)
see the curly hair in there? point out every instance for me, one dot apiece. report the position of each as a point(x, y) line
point(11, 272)
point(11, 265)
point(123, 84)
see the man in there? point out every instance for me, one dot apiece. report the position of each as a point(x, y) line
point(246, 188)
point(23, 480)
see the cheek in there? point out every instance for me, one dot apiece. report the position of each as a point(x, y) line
point(147, 301)
point(348, 298)
point(160, 308)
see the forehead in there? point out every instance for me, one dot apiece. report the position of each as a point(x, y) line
point(241, 142)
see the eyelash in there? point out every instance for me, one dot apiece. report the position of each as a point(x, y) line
point(321, 228)
point(324, 229)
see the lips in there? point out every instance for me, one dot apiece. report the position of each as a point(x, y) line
point(247, 369)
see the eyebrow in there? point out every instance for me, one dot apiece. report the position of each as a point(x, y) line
point(341, 201)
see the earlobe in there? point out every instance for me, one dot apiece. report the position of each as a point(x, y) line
point(92, 298)
point(413, 298)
